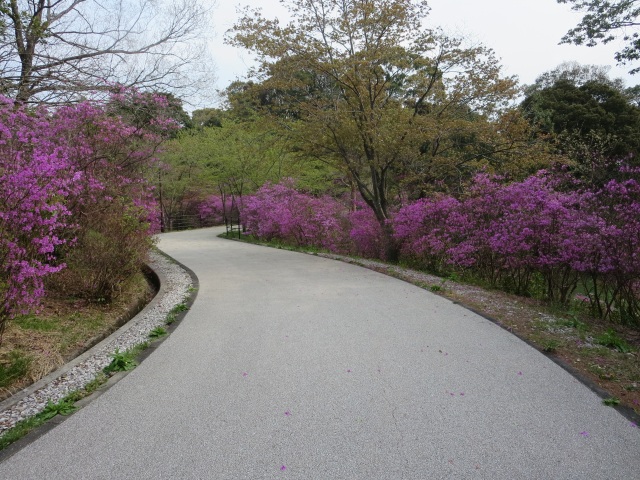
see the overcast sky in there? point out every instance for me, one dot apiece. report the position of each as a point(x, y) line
point(523, 33)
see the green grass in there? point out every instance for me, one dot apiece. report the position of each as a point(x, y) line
point(611, 402)
point(31, 322)
point(550, 345)
point(173, 313)
point(121, 362)
point(612, 340)
point(573, 322)
point(157, 332)
point(14, 367)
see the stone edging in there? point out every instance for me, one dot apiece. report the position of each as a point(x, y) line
point(176, 282)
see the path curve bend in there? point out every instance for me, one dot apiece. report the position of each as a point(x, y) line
point(291, 366)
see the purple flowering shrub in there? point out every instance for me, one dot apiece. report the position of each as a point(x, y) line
point(512, 235)
point(365, 233)
point(116, 212)
point(281, 212)
point(74, 203)
point(211, 210)
point(612, 261)
point(422, 232)
point(35, 182)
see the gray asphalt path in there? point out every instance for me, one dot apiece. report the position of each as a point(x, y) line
point(291, 366)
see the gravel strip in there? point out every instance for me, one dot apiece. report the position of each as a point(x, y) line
point(497, 305)
point(174, 289)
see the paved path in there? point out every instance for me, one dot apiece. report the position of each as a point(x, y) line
point(291, 366)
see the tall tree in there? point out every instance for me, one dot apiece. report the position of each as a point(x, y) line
point(590, 118)
point(605, 20)
point(232, 159)
point(55, 51)
point(367, 84)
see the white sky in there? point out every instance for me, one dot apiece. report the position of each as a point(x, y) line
point(523, 33)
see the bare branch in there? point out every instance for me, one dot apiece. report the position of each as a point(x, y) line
point(56, 51)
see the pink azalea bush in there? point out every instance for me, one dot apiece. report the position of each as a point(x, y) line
point(211, 210)
point(74, 202)
point(365, 233)
point(35, 182)
point(542, 236)
point(279, 211)
point(511, 235)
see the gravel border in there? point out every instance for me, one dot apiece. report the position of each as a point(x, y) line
point(176, 285)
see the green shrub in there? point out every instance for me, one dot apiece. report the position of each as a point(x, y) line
point(110, 248)
point(611, 339)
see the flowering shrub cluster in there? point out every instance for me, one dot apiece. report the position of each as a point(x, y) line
point(35, 183)
point(365, 233)
point(535, 235)
point(74, 204)
point(281, 212)
point(545, 235)
point(212, 209)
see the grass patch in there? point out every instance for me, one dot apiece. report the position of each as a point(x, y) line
point(31, 322)
point(157, 332)
point(550, 345)
point(611, 339)
point(174, 312)
point(573, 322)
point(61, 331)
point(15, 366)
point(121, 362)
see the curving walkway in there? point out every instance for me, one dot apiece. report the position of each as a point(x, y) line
point(291, 366)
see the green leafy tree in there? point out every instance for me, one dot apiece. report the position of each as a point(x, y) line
point(231, 160)
point(207, 117)
point(365, 85)
point(604, 21)
point(143, 109)
point(591, 118)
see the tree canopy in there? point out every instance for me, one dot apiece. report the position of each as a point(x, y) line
point(591, 118)
point(605, 20)
point(367, 85)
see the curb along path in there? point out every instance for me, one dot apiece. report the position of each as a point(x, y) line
point(174, 288)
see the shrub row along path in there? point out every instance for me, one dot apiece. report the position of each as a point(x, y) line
point(294, 366)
